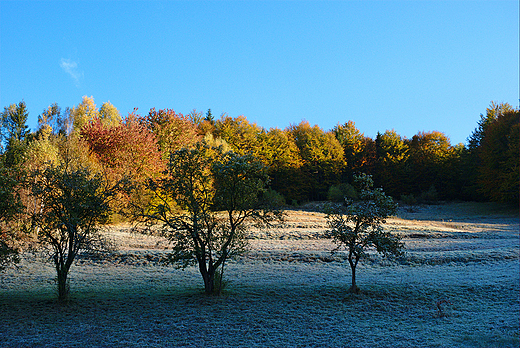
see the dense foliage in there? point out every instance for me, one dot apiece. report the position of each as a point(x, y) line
point(303, 161)
point(494, 152)
point(11, 209)
point(126, 149)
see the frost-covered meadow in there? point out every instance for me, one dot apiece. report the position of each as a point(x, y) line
point(289, 290)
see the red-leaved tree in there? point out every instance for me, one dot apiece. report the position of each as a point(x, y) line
point(129, 149)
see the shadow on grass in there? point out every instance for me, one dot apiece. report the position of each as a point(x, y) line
point(256, 315)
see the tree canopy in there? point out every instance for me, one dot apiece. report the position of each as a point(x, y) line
point(303, 161)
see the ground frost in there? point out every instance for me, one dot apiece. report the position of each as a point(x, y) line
point(288, 291)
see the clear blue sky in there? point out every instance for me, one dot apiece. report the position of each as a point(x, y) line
point(408, 65)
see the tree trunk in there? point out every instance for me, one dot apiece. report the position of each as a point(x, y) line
point(63, 287)
point(209, 283)
point(208, 275)
point(353, 288)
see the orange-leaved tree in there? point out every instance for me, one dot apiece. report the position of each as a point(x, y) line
point(392, 152)
point(128, 150)
point(427, 157)
point(172, 130)
point(356, 148)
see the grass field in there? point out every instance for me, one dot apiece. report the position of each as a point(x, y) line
point(287, 291)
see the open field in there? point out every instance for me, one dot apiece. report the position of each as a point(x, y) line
point(289, 290)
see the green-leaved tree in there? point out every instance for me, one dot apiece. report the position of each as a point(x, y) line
point(204, 205)
point(356, 225)
point(14, 134)
point(73, 201)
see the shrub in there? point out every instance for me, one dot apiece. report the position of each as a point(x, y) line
point(429, 197)
point(338, 193)
point(409, 199)
point(274, 198)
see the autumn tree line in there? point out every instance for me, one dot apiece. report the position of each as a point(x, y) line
point(305, 163)
point(204, 179)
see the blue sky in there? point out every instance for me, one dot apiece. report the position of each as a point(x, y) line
point(408, 65)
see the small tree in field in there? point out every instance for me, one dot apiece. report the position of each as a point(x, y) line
point(203, 206)
point(73, 202)
point(356, 226)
